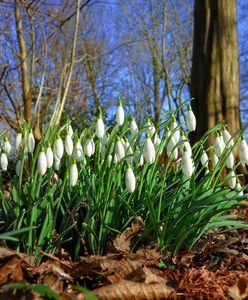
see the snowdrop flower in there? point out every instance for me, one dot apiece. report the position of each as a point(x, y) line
point(232, 180)
point(58, 148)
point(219, 145)
point(4, 161)
point(70, 130)
point(187, 163)
point(119, 150)
point(68, 145)
point(215, 160)
point(171, 150)
point(157, 141)
point(141, 160)
point(243, 152)
point(204, 158)
point(42, 163)
point(227, 139)
point(18, 141)
point(109, 160)
point(128, 151)
point(100, 128)
point(120, 115)
point(31, 142)
point(49, 156)
point(230, 160)
point(173, 126)
point(73, 174)
point(185, 143)
point(18, 167)
point(56, 163)
point(151, 129)
point(6, 146)
point(149, 150)
point(89, 147)
point(130, 179)
point(190, 120)
point(79, 151)
point(133, 127)
point(238, 188)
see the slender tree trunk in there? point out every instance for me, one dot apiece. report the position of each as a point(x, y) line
point(215, 66)
point(26, 89)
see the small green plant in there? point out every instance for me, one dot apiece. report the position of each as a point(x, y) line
point(76, 188)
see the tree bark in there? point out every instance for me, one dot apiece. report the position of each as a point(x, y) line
point(215, 66)
point(26, 89)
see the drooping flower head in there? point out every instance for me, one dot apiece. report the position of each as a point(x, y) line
point(100, 128)
point(130, 179)
point(120, 114)
point(190, 119)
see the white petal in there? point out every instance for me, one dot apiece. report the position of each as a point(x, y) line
point(4, 161)
point(232, 180)
point(130, 180)
point(59, 148)
point(243, 152)
point(120, 115)
point(79, 151)
point(191, 121)
point(49, 157)
point(18, 141)
point(31, 142)
point(68, 145)
point(119, 150)
point(230, 160)
point(42, 163)
point(100, 129)
point(149, 151)
point(73, 174)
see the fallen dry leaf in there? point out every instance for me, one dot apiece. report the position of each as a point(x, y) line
point(122, 242)
point(11, 269)
point(239, 291)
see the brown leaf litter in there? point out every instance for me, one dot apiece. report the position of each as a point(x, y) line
point(219, 270)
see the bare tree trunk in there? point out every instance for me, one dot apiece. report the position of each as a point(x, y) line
point(26, 89)
point(215, 67)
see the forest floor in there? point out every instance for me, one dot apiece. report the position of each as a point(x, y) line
point(217, 269)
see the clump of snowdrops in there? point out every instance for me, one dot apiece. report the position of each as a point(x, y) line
point(78, 188)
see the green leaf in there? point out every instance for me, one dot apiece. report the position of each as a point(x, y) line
point(41, 289)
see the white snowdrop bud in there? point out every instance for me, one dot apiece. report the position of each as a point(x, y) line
point(120, 114)
point(68, 145)
point(130, 180)
point(227, 138)
point(119, 150)
point(243, 152)
point(42, 163)
point(70, 130)
point(109, 160)
point(58, 148)
point(141, 160)
point(133, 127)
point(230, 160)
point(79, 151)
point(173, 126)
point(187, 164)
point(190, 120)
point(239, 189)
point(185, 144)
point(215, 160)
point(232, 180)
point(171, 150)
point(149, 150)
point(49, 157)
point(100, 128)
point(128, 152)
point(31, 142)
point(4, 161)
point(6, 146)
point(157, 141)
point(73, 174)
point(151, 129)
point(204, 159)
point(56, 163)
point(219, 145)
point(18, 167)
point(18, 140)
point(89, 147)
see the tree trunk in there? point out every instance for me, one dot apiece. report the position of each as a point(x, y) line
point(215, 66)
point(26, 89)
